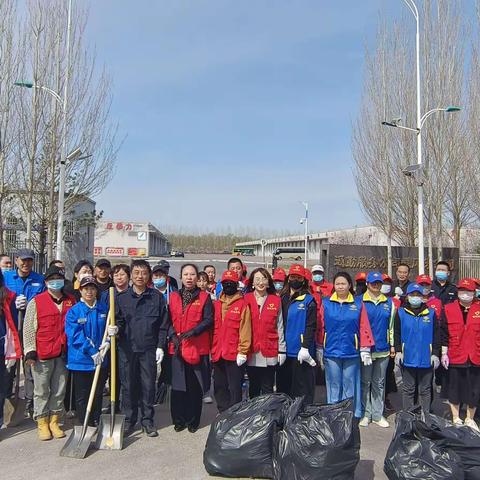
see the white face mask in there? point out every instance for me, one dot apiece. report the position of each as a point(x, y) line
point(386, 289)
point(466, 297)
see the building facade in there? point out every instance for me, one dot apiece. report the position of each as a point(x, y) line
point(123, 239)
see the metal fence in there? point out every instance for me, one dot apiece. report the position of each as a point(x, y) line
point(469, 266)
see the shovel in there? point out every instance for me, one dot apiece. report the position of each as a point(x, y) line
point(110, 430)
point(79, 441)
point(14, 407)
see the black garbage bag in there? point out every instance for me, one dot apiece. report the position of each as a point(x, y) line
point(240, 441)
point(413, 455)
point(464, 441)
point(317, 442)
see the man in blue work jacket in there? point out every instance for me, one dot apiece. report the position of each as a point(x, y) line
point(26, 284)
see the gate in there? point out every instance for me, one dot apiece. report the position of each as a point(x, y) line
point(469, 266)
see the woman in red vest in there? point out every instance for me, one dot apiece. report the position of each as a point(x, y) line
point(268, 340)
point(461, 351)
point(45, 346)
point(232, 337)
point(191, 313)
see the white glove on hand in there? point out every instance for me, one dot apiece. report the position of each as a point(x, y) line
point(103, 349)
point(97, 358)
point(445, 361)
point(366, 358)
point(304, 356)
point(241, 359)
point(281, 358)
point(112, 330)
point(398, 291)
point(399, 359)
point(10, 363)
point(435, 361)
point(21, 302)
point(159, 355)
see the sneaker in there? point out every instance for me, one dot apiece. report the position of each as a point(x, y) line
point(364, 422)
point(207, 399)
point(457, 421)
point(382, 423)
point(150, 431)
point(470, 422)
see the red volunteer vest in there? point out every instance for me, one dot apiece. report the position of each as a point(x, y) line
point(264, 324)
point(463, 339)
point(226, 333)
point(436, 304)
point(51, 338)
point(192, 348)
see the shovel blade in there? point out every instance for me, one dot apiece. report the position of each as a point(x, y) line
point(108, 439)
point(14, 411)
point(78, 443)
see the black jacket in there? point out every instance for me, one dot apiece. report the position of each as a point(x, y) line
point(141, 319)
point(446, 293)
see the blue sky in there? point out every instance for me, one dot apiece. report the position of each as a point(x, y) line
point(235, 111)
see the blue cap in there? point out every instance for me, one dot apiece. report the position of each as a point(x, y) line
point(374, 277)
point(415, 287)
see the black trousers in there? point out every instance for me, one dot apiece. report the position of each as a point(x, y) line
point(296, 379)
point(82, 383)
point(138, 372)
point(69, 401)
point(261, 380)
point(227, 383)
point(419, 379)
point(186, 407)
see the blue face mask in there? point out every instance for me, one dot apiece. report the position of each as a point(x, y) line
point(278, 286)
point(415, 301)
point(477, 293)
point(441, 276)
point(7, 269)
point(159, 282)
point(56, 285)
point(318, 277)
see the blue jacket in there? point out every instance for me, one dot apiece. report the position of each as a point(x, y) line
point(297, 322)
point(417, 337)
point(84, 327)
point(32, 286)
point(342, 327)
point(379, 317)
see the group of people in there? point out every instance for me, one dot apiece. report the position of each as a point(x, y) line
point(273, 330)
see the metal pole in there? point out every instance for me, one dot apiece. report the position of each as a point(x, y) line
point(61, 188)
point(421, 242)
point(306, 234)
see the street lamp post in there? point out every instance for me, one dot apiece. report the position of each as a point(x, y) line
point(304, 221)
point(420, 120)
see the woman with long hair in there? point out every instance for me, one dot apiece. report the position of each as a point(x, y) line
point(268, 341)
point(345, 339)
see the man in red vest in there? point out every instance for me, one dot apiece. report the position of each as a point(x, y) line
point(232, 338)
point(45, 348)
point(319, 284)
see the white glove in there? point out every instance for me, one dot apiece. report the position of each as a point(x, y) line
point(241, 359)
point(10, 363)
point(366, 358)
point(398, 291)
point(112, 330)
point(281, 358)
point(103, 349)
point(97, 358)
point(435, 361)
point(159, 355)
point(304, 356)
point(399, 359)
point(21, 302)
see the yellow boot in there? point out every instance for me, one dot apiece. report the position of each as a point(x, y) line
point(57, 432)
point(43, 430)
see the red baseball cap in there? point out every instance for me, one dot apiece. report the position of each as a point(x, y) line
point(279, 275)
point(297, 269)
point(424, 279)
point(361, 276)
point(230, 276)
point(467, 284)
point(387, 278)
point(308, 275)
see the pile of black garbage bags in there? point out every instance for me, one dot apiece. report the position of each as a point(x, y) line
point(272, 436)
point(425, 446)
